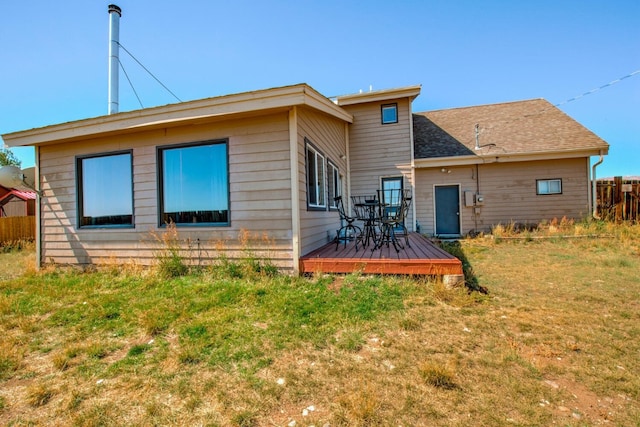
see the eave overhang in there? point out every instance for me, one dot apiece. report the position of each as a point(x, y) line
point(379, 95)
point(507, 158)
point(247, 104)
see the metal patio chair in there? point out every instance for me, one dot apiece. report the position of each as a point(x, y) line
point(348, 231)
point(405, 204)
point(393, 210)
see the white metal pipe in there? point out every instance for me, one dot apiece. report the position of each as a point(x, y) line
point(477, 136)
point(114, 51)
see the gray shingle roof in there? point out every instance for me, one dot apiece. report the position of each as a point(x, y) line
point(522, 127)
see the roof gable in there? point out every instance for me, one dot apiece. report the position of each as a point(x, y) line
point(22, 195)
point(507, 129)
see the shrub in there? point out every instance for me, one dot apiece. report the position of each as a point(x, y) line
point(169, 253)
point(39, 395)
point(437, 375)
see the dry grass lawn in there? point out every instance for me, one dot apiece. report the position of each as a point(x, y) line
point(556, 341)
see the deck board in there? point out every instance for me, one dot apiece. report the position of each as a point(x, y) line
point(422, 257)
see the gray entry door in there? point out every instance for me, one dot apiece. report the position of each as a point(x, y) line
point(447, 210)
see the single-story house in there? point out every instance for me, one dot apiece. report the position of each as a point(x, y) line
point(15, 202)
point(266, 166)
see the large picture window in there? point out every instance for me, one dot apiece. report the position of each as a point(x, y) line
point(194, 184)
point(316, 178)
point(105, 190)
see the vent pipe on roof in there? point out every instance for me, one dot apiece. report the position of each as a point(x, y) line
point(477, 136)
point(114, 61)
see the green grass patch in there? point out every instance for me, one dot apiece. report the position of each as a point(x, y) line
point(237, 344)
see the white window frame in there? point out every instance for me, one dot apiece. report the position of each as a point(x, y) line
point(335, 184)
point(544, 186)
point(318, 180)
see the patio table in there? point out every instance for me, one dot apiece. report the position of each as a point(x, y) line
point(368, 212)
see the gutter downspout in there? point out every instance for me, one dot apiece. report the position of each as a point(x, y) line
point(594, 198)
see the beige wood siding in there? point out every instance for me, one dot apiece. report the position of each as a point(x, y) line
point(377, 150)
point(328, 135)
point(509, 191)
point(260, 196)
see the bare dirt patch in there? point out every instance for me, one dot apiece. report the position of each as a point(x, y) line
point(577, 402)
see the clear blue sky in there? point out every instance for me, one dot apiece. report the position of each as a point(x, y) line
point(467, 52)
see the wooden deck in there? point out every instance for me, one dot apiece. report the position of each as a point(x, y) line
point(422, 258)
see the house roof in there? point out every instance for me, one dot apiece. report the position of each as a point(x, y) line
point(24, 195)
point(244, 104)
point(521, 130)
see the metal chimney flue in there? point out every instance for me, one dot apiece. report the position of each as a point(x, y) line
point(114, 60)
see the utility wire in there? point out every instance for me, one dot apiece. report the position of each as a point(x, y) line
point(149, 72)
point(130, 83)
point(611, 83)
point(544, 110)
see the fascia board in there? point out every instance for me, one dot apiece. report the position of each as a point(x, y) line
point(244, 104)
point(507, 158)
point(379, 95)
point(447, 161)
point(315, 100)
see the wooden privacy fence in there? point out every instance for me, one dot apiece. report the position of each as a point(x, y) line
point(15, 228)
point(619, 200)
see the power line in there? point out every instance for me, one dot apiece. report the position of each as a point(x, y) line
point(149, 72)
point(544, 110)
point(611, 83)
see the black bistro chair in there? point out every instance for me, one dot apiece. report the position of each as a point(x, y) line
point(394, 206)
point(348, 231)
point(405, 204)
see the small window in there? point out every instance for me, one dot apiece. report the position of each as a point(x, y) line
point(105, 190)
point(316, 178)
point(194, 184)
point(549, 186)
point(389, 114)
point(392, 183)
point(335, 184)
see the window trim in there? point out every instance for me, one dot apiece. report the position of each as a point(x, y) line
point(383, 107)
point(332, 170)
point(80, 194)
point(392, 178)
point(160, 181)
point(310, 146)
point(548, 181)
